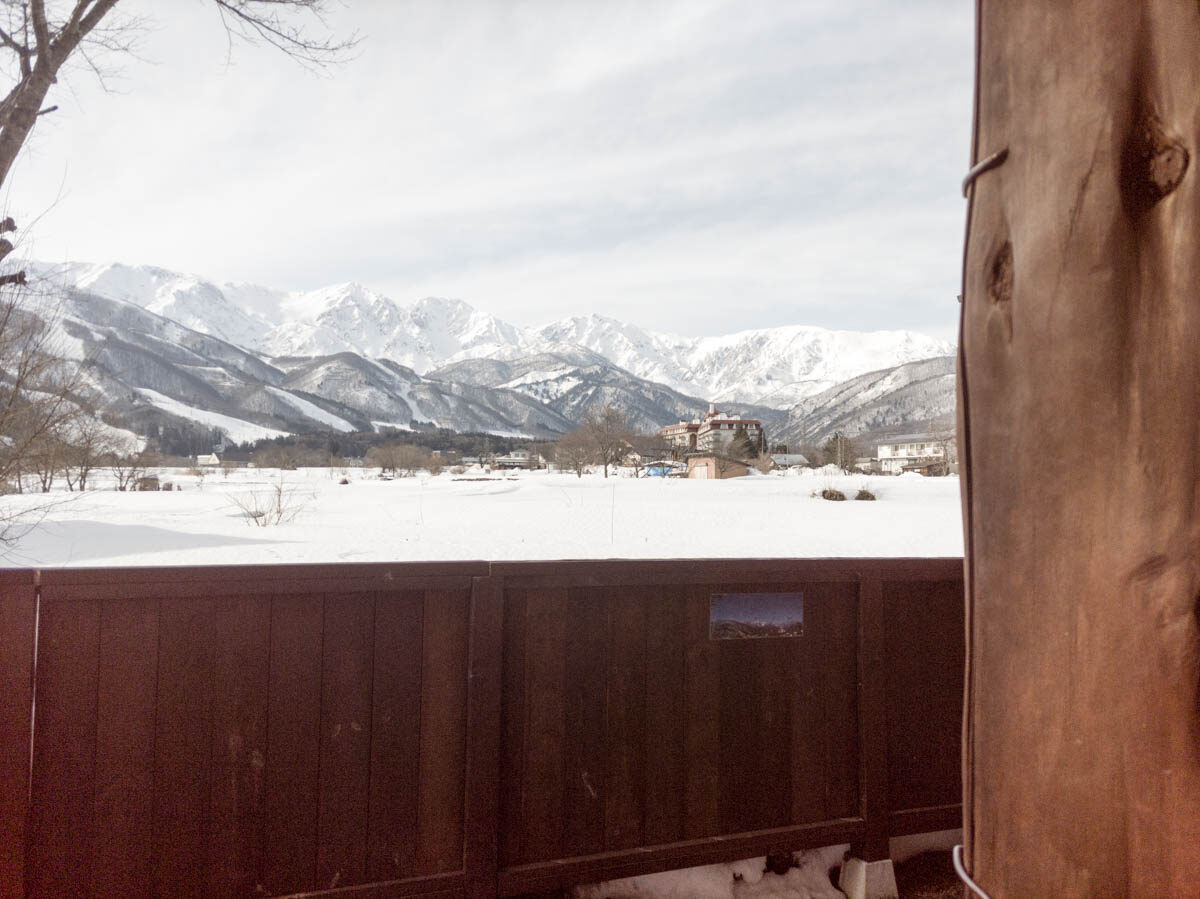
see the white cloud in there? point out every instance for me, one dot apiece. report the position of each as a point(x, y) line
point(538, 158)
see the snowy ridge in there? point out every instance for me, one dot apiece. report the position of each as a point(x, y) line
point(774, 367)
point(918, 396)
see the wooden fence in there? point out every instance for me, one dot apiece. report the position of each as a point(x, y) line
point(462, 729)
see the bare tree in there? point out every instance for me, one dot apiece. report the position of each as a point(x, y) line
point(128, 465)
point(36, 387)
point(410, 458)
point(839, 451)
point(763, 463)
point(39, 38)
point(574, 451)
point(610, 434)
point(383, 457)
point(89, 442)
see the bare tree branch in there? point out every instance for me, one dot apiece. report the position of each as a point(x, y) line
point(266, 20)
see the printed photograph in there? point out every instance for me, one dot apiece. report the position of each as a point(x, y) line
point(738, 616)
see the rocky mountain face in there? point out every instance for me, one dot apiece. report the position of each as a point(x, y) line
point(255, 361)
point(917, 397)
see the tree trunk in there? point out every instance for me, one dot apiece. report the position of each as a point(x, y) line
point(1078, 416)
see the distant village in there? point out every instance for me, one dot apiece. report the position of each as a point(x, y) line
point(716, 445)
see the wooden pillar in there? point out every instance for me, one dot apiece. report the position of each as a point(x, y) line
point(1080, 434)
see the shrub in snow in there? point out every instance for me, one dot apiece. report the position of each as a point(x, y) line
point(864, 493)
point(264, 508)
point(833, 494)
point(343, 480)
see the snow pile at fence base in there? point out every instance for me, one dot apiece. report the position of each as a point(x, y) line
point(747, 879)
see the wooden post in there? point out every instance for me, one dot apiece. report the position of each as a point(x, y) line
point(1078, 410)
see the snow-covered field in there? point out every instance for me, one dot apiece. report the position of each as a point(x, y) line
point(527, 515)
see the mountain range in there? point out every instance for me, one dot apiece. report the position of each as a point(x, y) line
point(256, 361)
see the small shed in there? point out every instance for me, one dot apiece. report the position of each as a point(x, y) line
point(713, 466)
point(789, 460)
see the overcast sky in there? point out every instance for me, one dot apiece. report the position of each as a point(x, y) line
point(700, 166)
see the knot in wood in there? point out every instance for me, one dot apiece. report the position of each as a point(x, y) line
point(1155, 162)
point(1000, 275)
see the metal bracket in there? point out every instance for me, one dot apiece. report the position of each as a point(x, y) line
point(986, 164)
point(961, 871)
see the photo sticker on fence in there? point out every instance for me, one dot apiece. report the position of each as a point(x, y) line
point(741, 616)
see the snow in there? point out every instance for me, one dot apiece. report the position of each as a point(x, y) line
point(312, 410)
point(746, 879)
point(235, 429)
point(525, 515)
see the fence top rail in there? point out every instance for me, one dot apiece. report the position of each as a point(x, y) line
point(241, 579)
point(17, 577)
point(387, 576)
point(614, 572)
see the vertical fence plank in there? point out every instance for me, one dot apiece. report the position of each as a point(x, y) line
point(546, 615)
point(183, 747)
point(293, 743)
point(702, 739)
point(626, 743)
point(345, 740)
point(64, 752)
point(443, 733)
point(18, 609)
point(241, 672)
point(809, 764)
point(584, 791)
point(839, 634)
point(484, 669)
point(395, 734)
point(924, 680)
point(122, 833)
point(775, 722)
point(512, 735)
point(872, 720)
point(665, 716)
point(742, 788)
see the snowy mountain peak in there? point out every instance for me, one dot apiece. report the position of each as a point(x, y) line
point(767, 366)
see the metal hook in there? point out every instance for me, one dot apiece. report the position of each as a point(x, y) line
point(961, 871)
point(985, 164)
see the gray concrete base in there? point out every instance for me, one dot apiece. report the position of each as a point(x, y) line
point(868, 880)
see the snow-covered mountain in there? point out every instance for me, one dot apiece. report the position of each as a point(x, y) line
point(914, 397)
point(774, 367)
point(771, 367)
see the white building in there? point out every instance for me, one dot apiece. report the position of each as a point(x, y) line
point(912, 451)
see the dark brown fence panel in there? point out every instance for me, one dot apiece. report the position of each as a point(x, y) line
point(465, 729)
point(18, 610)
point(924, 682)
point(232, 731)
point(626, 726)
